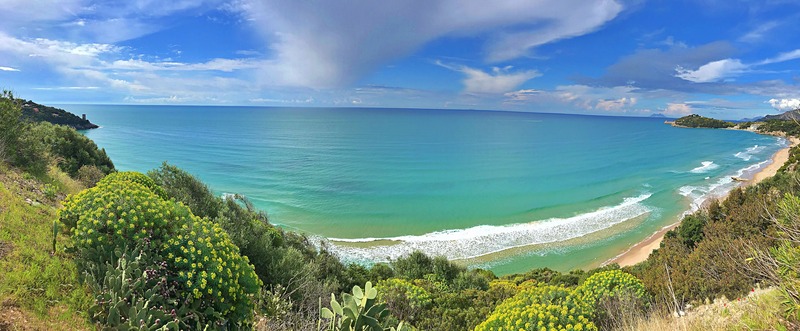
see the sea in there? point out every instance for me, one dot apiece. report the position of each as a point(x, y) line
point(505, 191)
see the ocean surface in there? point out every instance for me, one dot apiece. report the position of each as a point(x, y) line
point(498, 190)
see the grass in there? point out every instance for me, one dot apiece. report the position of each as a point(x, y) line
point(39, 290)
point(761, 310)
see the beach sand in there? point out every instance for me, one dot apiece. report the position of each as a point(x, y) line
point(642, 250)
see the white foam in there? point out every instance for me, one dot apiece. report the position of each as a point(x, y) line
point(748, 153)
point(704, 167)
point(486, 239)
point(718, 188)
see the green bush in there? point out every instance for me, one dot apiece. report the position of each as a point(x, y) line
point(540, 308)
point(610, 293)
point(136, 177)
point(213, 283)
point(214, 276)
point(90, 175)
point(71, 149)
point(406, 300)
point(116, 214)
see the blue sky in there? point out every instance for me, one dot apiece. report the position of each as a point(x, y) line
point(727, 59)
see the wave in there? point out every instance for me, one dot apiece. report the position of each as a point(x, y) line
point(487, 239)
point(700, 193)
point(748, 153)
point(704, 167)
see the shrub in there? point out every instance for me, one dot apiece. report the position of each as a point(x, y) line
point(609, 284)
point(406, 300)
point(543, 307)
point(136, 177)
point(213, 274)
point(214, 284)
point(610, 292)
point(90, 175)
point(71, 149)
point(116, 214)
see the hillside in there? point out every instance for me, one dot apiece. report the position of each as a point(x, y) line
point(789, 115)
point(41, 113)
point(697, 121)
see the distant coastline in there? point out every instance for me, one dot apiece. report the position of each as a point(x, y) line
point(40, 113)
point(642, 250)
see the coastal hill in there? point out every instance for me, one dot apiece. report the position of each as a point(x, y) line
point(40, 113)
point(789, 115)
point(697, 121)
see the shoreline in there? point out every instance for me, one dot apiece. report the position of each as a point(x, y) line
point(642, 250)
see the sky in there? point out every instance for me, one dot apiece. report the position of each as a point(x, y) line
point(728, 59)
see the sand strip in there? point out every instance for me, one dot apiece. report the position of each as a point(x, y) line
point(642, 250)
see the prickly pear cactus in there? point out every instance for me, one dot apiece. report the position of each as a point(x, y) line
point(357, 312)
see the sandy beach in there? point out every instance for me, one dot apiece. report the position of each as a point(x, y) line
point(639, 252)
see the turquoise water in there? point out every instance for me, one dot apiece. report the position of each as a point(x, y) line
point(564, 191)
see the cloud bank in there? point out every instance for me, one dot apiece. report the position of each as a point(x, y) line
point(321, 43)
point(785, 104)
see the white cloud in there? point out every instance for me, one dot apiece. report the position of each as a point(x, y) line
point(500, 80)
point(782, 57)
point(333, 43)
point(722, 69)
point(712, 71)
point(522, 95)
point(8, 69)
point(224, 65)
point(100, 21)
point(760, 32)
point(678, 109)
point(785, 104)
point(616, 104)
point(67, 88)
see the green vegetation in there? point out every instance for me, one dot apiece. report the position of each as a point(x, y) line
point(36, 283)
point(697, 121)
point(790, 127)
point(72, 150)
point(541, 307)
point(35, 112)
point(194, 271)
point(34, 146)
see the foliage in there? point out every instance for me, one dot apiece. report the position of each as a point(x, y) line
point(11, 127)
point(357, 312)
point(70, 149)
point(787, 126)
point(215, 285)
point(90, 175)
point(779, 264)
point(697, 121)
point(543, 307)
point(614, 283)
point(131, 296)
point(608, 293)
point(34, 112)
point(406, 300)
point(16, 146)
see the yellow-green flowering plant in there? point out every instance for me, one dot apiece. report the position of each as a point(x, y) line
point(540, 308)
point(209, 281)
